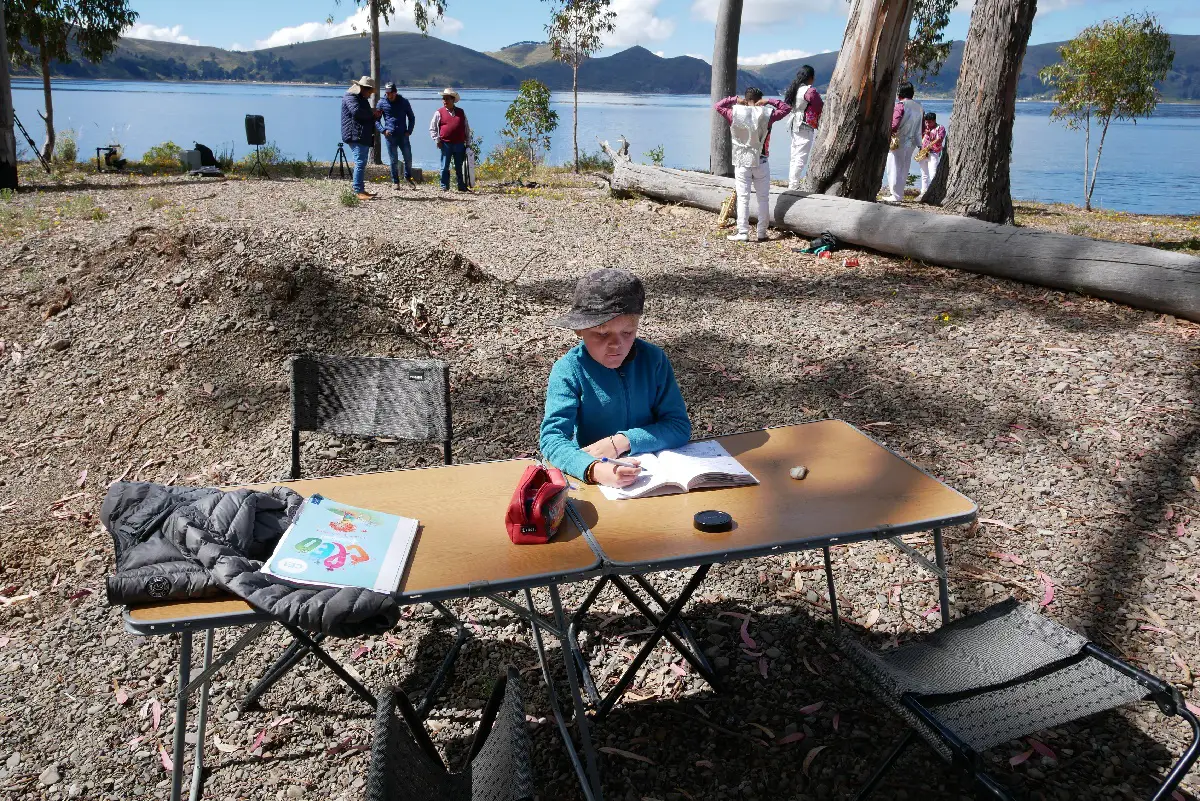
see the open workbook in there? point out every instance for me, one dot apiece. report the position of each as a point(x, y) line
point(338, 545)
point(697, 465)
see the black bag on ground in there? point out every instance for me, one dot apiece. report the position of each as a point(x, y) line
point(825, 240)
point(207, 159)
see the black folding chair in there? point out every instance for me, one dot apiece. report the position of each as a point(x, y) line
point(405, 765)
point(369, 397)
point(1001, 674)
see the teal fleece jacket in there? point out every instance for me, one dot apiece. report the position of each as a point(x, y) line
point(586, 401)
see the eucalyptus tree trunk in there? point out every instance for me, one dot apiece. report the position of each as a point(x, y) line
point(850, 153)
point(724, 84)
point(376, 149)
point(978, 184)
point(48, 145)
point(8, 141)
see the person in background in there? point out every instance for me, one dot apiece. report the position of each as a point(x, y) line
point(806, 106)
point(358, 130)
point(396, 124)
point(933, 142)
point(612, 394)
point(750, 119)
point(907, 119)
point(451, 132)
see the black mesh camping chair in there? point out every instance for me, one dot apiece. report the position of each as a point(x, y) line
point(368, 397)
point(405, 765)
point(1001, 674)
point(371, 397)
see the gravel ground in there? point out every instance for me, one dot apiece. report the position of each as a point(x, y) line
point(145, 327)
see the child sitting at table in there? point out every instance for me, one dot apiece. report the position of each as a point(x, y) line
point(612, 395)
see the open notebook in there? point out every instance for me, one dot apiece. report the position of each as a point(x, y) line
point(697, 465)
point(335, 544)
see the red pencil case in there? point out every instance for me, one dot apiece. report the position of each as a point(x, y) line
point(537, 506)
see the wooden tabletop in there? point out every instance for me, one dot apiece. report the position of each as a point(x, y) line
point(462, 539)
point(855, 488)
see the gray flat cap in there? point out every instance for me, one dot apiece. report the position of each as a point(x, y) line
point(602, 295)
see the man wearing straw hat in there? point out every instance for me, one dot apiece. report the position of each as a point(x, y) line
point(450, 132)
point(358, 129)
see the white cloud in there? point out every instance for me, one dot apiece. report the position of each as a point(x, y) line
point(771, 58)
point(758, 13)
point(660, 53)
point(157, 33)
point(355, 23)
point(636, 23)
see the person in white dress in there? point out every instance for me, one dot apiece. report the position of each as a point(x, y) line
point(750, 118)
point(907, 119)
point(806, 106)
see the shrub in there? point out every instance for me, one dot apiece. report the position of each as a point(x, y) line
point(656, 156)
point(348, 198)
point(269, 154)
point(508, 161)
point(224, 158)
point(165, 156)
point(66, 146)
point(598, 161)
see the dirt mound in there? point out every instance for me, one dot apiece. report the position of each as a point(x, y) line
point(163, 354)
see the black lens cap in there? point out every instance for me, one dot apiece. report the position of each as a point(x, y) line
point(713, 521)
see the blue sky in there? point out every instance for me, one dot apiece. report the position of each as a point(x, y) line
point(772, 30)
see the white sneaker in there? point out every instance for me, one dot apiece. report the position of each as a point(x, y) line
point(738, 237)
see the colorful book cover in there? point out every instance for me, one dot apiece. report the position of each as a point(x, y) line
point(335, 544)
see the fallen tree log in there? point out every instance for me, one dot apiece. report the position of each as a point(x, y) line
point(1143, 277)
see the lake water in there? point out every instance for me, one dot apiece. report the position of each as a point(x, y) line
point(1150, 167)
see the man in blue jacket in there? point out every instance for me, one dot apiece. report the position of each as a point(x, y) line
point(358, 129)
point(396, 125)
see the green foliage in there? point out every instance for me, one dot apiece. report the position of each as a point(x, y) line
point(269, 154)
point(66, 146)
point(164, 156)
point(530, 121)
point(595, 162)
point(6, 195)
point(508, 162)
point(224, 158)
point(576, 32)
point(926, 50)
point(421, 11)
point(656, 155)
point(577, 29)
point(476, 146)
point(34, 26)
point(348, 198)
point(1109, 71)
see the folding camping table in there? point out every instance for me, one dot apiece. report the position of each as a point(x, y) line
point(461, 551)
point(855, 490)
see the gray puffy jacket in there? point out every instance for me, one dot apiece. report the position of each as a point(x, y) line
point(195, 542)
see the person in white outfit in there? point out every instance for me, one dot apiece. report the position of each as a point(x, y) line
point(750, 120)
point(806, 106)
point(907, 119)
point(933, 142)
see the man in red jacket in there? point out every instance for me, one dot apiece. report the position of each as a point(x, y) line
point(451, 133)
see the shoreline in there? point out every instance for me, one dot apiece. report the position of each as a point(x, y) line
point(58, 79)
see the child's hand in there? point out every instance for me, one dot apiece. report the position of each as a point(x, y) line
point(612, 475)
point(612, 447)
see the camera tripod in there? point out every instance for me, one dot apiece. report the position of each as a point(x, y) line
point(340, 161)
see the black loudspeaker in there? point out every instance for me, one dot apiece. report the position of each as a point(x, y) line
point(256, 130)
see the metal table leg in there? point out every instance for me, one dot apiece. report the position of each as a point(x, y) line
point(181, 696)
point(447, 665)
point(833, 610)
point(939, 552)
point(331, 663)
point(691, 651)
point(290, 657)
point(202, 723)
point(589, 778)
point(684, 630)
point(664, 623)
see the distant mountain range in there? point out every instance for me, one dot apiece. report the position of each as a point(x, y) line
point(411, 59)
